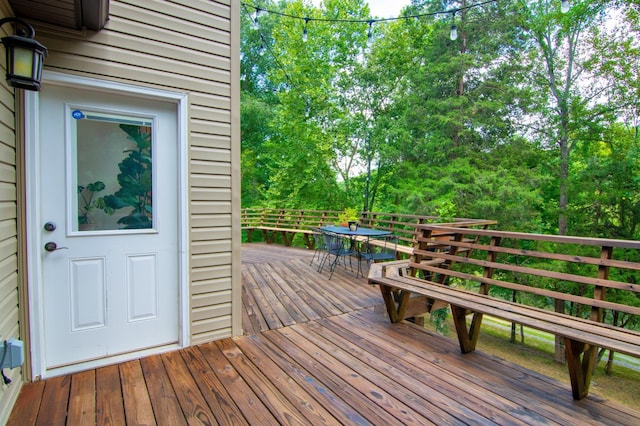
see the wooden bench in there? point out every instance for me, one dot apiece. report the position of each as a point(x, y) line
point(526, 279)
point(288, 223)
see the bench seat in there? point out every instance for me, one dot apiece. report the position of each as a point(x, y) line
point(590, 332)
point(278, 229)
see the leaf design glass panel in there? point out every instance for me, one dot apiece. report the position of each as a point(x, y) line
point(113, 171)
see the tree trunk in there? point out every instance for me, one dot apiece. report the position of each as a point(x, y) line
point(609, 368)
point(564, 178)
point(514, 325)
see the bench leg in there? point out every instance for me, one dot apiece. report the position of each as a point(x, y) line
point(580, 370)
point(467, 337)
point(268, 237)
point(310, 243)
point(288, 238)
point(395, 301)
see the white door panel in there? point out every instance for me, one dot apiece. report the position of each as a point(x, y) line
point(112, 284)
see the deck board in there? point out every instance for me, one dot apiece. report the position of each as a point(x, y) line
point(315, 351)
point(242, 394)
point(53, 408)
point(163, 397)
point(212, 389)
point(137, 404)
point(82, 402)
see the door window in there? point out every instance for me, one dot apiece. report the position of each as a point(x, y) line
point(113, 172)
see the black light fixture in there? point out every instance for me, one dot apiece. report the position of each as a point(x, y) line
point(25, 56)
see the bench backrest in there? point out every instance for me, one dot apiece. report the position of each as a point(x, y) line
point(591, 275)
point(402, 225)
point(288, 218)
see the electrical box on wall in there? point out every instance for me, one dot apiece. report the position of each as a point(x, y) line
point(14, 356)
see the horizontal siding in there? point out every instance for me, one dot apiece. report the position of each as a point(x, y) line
point(209, 142)
point(218, 326)
point(205, 247)
point(8, 152)
point(9, 313)
point(7, 173)
point(200, 301)
point(198, 42)
point(8, 192)
point(207, 207)
point(208, 221)
point(198, 65)
point(124, 73)
point(208, 259)
point(181, 46)
point(202, 316)
point(209, 181)
point(213, 167)
point(220, 331)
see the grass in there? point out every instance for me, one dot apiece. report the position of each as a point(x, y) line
point(623, 386)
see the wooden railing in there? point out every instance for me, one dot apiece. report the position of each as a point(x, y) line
point(287, 223)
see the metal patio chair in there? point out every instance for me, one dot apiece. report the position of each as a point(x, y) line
point(379, 249)
point(335, 246)
point(321, 246)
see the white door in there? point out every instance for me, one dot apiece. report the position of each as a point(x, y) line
point(108, 202)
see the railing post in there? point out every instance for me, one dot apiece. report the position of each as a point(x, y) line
point(600, 292)
point(491, 257)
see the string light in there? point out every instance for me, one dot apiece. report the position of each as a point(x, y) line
point(453, 35)
point(264, 46)
point(305, 37)
point(259, 11)
point(254, 22)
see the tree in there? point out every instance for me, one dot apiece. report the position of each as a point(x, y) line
point(313, 121)
point(558, 55)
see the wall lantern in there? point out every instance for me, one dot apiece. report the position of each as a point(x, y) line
point(24, 56)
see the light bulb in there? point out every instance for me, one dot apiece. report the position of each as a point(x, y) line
point(454, 32)
point(305, 37)
point(565, 6)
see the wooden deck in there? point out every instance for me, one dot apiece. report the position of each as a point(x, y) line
point(281, 288)
point(316, 352)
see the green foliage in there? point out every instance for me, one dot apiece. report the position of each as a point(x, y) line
point(135, 181)
point(439, 319)
point(349, 214)
point(528, 118)
point(86, 203)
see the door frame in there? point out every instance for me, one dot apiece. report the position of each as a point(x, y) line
point(34, 221)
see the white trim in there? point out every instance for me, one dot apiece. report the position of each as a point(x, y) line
point(112, 359)
point(34, 220)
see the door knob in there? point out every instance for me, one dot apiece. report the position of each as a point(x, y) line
point(50, 226)
point(51, 246)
